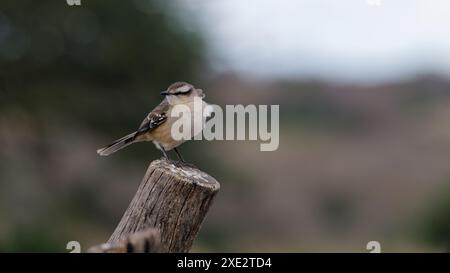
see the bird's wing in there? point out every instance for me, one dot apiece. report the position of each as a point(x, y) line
point(155, 118)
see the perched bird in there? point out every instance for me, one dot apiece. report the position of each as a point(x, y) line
point(156, 127)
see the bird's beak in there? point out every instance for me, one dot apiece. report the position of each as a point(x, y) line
point(164, 93)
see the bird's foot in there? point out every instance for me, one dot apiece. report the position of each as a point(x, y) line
point(176, 163)
point(181, 164)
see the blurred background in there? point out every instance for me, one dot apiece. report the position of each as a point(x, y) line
point(364, 94)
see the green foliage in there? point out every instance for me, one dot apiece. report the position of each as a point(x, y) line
point(436, 227)
point(93, 69)
point(90, 63)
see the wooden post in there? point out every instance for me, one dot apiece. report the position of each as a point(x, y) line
point(146, 241)
point(172, 199)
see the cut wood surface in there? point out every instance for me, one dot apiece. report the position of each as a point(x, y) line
point(173, 198)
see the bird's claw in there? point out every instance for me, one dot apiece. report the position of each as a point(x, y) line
point(181, 164)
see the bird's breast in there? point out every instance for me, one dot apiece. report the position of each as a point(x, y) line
point(190, 114)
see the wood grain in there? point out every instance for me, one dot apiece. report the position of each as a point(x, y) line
point(173, 199)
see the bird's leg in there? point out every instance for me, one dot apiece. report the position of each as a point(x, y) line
point(164, 152)
point(179, 155)
point(176, 163)
point(182, 160)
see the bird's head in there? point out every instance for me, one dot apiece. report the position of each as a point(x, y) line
point(180, 92)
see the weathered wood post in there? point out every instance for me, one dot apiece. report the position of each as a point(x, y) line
point(145, 241)
point(173, 200)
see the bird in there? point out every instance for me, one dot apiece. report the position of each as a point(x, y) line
point(156, 127)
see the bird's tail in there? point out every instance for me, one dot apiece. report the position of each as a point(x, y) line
point(117, 145)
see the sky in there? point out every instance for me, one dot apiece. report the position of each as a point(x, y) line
point(340, 40)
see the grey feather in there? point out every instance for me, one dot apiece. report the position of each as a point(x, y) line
point(117, 145)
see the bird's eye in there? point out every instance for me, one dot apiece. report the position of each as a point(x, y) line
point(183, 91)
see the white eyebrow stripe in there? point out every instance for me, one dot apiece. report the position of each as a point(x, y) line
point(183, 88)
